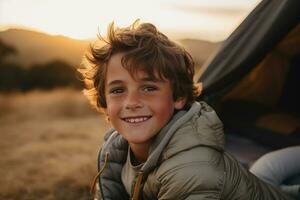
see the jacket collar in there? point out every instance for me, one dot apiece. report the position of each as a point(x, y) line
point(205, 128)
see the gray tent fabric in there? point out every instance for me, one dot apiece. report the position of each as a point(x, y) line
point(262, 29)
point(253, 44)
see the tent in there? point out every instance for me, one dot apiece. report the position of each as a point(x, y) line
point(253, 79)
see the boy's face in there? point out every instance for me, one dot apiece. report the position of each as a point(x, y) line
point(137, 108)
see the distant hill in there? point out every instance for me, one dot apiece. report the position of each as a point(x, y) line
point(38, 48)
point(200, 50)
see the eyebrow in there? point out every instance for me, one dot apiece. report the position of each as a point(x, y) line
point(115, 82)
point(148, 79)
point(144, 79)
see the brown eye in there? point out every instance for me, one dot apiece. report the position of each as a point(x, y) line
point(149, 88)
point(116, 90)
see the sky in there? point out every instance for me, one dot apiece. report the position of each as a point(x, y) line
point(82, 19)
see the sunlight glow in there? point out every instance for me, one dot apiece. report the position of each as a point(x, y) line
point(208, 19)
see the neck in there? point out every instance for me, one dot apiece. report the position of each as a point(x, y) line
point(140, 151)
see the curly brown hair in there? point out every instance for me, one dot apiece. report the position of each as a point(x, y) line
point(145, 49)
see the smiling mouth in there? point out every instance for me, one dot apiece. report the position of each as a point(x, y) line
point(138, 119)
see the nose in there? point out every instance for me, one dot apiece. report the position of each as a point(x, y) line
point(133, 101)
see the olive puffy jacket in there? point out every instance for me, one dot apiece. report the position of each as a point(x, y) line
point(186, 161)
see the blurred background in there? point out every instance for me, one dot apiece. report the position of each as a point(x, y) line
point(49, 134)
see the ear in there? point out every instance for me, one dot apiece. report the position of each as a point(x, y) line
point(179, 103)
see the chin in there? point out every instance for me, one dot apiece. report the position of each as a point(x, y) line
point(138, 140)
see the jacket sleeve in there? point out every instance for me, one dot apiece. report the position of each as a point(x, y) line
point(192, 180)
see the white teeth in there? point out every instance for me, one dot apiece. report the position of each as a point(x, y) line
point(136, 120)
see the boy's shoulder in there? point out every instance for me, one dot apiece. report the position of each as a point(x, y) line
point(204, 128)
point(197, 143)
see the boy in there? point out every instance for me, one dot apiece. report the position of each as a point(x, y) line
point(163, 144)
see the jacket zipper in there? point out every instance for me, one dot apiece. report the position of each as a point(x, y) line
point(138, 182)
point(92, 191)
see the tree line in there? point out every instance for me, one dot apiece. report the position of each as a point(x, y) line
point(15, 77)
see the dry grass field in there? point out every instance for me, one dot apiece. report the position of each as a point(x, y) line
point(48, 145)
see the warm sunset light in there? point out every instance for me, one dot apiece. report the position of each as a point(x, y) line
point(203, 19)
point(206, 107)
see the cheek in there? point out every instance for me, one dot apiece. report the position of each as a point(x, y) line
point(165, 108)
point(112, 108)
point(112, 113)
